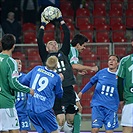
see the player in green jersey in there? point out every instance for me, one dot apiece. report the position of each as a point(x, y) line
point(125, 89)
point(78, 44)
point(8, 86)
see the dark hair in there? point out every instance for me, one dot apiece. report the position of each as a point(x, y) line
point(79, 38)
point(7, 41)
point(118, 59)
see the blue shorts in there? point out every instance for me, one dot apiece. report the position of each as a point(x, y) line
point(103, 116)
point(44, 121)
point(24, 122)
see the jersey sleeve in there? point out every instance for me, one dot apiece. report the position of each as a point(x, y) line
point(41, 46)
point(92, 81)
point(27, 78)
point(120, 71)
point(58, 88)
point(13, 77)
point(73, 57)
point(66, 40)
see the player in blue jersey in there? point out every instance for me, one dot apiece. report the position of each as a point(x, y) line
point(47, 85)
point(105, 100)
point(21, 103)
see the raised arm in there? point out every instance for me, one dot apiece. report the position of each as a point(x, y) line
point(41, 46)
point(66, 40)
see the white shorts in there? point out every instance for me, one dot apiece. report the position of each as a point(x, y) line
point(8, 119)
point(127, 115)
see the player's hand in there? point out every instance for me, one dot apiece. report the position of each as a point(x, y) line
point(121, 104)
point(80, 95)
point(61, 76)
point(94, 68)
point(83, 72)
point(43, 19)
point(32, 92)
point(59, 14)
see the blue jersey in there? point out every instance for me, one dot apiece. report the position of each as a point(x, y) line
point(105, 93)
point(21, 99)
point(46, 84)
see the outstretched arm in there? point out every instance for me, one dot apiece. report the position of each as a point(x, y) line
point(92, 81)
point(41, 46)
point(81, 67)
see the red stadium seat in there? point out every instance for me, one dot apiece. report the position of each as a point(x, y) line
point(102, 36)
point(19, 55)
point(33, 64)
point(33, 55)
point(71, 35)
point(70, 26)
point(88, 27)
point(120, 50)
point(92, 57)
point(48, 36)
point(68, 19)
point(103, 57)
point(115, 13)
point(30, 37)
point(88, 34)
point(118, 36)
point(100, 5)
point(49, 27)
point(83, 12)
point(102, 50)
point(115, 20)
point(28, 27)
point(129, 13)
point(118, 26)
point(129, 22)
point(99, 20)
point(102, 27)
point(130, 5)
point(103, 64)
point(82, 21)
point(66, 9)
point(98, 13)
point(116, 5)
point(86, 51)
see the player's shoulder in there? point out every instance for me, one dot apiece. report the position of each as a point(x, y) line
point(103, 70)
point(126, 58)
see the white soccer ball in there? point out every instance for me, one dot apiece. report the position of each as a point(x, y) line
point(50, 13)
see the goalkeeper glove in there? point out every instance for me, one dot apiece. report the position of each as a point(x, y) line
point(59, 15)
point(43, 19)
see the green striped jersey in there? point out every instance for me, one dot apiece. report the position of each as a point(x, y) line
point(125, 71)
point(8, 81)
point(73, 55)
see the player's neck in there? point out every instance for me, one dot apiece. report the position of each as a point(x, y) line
point(8, 52)
point(113, 69)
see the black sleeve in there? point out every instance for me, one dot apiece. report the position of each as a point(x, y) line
point(41, 46)
point(120, 88)
point(66, 40)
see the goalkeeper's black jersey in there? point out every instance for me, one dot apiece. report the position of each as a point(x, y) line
point(64, 65)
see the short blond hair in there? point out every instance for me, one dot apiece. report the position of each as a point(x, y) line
point(51, 62)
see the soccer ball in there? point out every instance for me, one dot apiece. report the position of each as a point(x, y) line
point(50, 13)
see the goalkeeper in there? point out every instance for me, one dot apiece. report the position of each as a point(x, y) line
point(66, 107)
